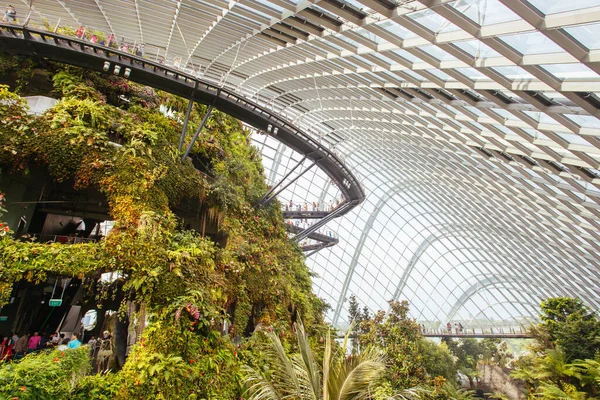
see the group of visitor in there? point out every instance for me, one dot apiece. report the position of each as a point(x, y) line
point(17, 347)
point(137, 49)
point(458, 328)
point(305, 225)
point(315, 206)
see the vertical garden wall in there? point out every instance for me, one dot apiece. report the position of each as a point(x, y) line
point(189, 245)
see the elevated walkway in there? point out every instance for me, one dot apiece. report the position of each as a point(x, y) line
point(18, 40)
point(495, 333)
point(305, 214)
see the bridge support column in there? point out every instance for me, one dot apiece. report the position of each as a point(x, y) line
point(311, 253)
point(322, 222)
point(187, 117)
point(189, 148)
point(267, 201)
point(260, 202)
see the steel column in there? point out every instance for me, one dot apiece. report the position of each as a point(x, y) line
point(288, 184)
point(187, 118)
point(322, 222)
point(189, 148)
point(281, 181)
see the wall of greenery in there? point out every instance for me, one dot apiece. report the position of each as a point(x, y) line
point(255, 273)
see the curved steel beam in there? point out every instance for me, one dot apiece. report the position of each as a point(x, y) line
point(19, 40)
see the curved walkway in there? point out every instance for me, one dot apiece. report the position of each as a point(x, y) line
point(18, 40)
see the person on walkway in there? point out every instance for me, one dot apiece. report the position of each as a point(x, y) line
point(460, 327)
point(44, 341)
point(74, 342)
point(10, 15)
point(139, 51)
point(449, 327)
point(80, 31)
point(92, 344)
point(34, 342)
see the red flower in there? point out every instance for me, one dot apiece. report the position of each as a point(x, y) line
point(56, 359)
point(191, 361)
point(23, 389)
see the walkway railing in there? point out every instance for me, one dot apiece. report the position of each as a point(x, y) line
point(489, 332)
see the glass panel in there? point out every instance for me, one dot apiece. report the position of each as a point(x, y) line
point(586, 121)
point(396, 29)
point(485, 12)
point(438, 53)
point(531, 43)
point(405, 54)
point(557, 6)
point(413, 74)
point(477, 49)
point(514, 72)
point(369, 35)
point(574, 139)
point(440, 74)
point(471, 73)
point(433, 21)
point(587, 35)
point(565, 71)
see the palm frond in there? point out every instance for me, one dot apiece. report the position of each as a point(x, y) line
point(310, 366)
point(358, 380)
point(259, 388)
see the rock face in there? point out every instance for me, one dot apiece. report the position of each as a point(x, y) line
point(494, 379)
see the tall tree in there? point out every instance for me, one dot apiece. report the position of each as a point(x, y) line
point(571, 325)
point(398, 336)
point(355, 317)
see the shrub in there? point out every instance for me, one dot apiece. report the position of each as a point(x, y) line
point(45, 375)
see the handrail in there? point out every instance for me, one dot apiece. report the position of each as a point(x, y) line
point(43, 43)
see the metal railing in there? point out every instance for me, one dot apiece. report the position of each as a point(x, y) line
point(505, 332)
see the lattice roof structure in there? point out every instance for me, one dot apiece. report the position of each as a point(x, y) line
point(473, 125)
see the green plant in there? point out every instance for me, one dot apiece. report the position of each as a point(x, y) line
point(300, 377)
point(98, 387)
point(240, 275)
point(45, 375)
point(398, 337)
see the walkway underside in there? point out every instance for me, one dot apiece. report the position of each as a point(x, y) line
point(323, 240)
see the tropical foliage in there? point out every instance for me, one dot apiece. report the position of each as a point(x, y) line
point(248, 272)
point(51, 375)
point(301, 377)
point(563, 362)
point(428, 370)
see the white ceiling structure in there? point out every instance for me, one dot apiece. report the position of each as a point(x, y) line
point(472, 124)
